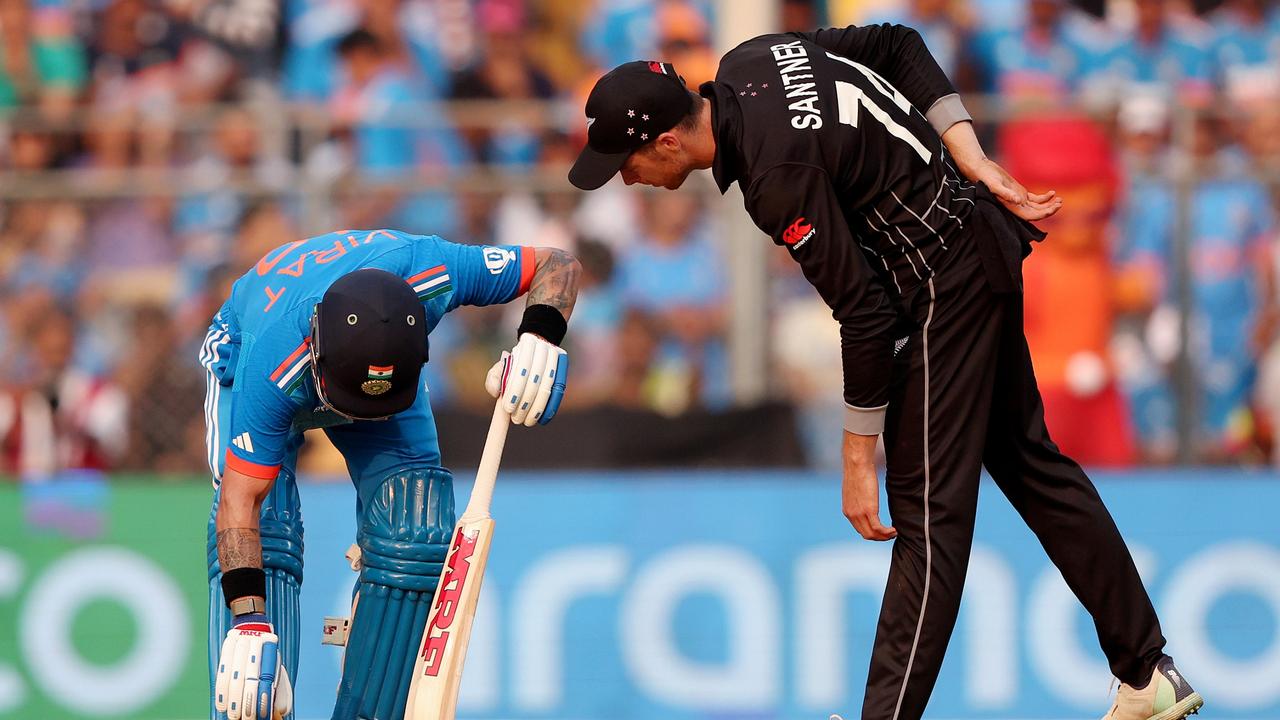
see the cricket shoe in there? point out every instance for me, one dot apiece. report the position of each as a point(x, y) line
point(1167, 696)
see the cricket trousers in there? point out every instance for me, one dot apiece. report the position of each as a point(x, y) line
point(964, 396)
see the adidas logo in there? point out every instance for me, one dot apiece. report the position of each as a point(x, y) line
point(243, 441)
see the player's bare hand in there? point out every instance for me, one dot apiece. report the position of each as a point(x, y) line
point(965, 149)
point(860, 499)
point(1021, 202)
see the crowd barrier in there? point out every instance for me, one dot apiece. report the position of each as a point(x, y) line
point(673, 595)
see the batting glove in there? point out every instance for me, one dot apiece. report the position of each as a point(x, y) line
point(531, 379)
point(252, 683)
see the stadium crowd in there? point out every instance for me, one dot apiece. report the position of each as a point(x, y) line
point(153, 150)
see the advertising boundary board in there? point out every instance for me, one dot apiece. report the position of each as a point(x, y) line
point(643, 595)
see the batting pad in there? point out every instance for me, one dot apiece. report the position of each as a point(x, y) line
point(281, 529)
point(404, 538)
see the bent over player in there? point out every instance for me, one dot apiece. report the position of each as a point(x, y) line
point(854, 152)
point(331, 332)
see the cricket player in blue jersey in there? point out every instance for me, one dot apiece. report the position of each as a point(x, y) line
point(331, 332)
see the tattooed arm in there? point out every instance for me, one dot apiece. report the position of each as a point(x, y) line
point(530, 378)
point(555, 281)
point(239, 506)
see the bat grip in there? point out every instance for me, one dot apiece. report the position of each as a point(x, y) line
point(487, 473)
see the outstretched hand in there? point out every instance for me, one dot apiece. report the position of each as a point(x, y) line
point(965, 149)
point(1021, 202)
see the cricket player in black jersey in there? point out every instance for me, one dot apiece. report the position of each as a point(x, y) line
point(854, 151)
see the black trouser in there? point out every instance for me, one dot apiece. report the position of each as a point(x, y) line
point(964, 395)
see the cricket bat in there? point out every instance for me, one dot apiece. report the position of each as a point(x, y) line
point(437, 672)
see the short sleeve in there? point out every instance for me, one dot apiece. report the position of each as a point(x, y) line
point(476, 274)
point(262, 410)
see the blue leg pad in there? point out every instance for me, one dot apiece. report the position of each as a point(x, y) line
point(403, 537)
point(281, 528)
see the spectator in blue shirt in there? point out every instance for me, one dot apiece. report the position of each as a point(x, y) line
point(623, 30)
point(205, 221)
point(1246, 49)
point(505, 72)
point(397, 136)
point(1231, 223)
point(674, 274)
point(1055, 55)
point(409, 32)
point(1164, 55)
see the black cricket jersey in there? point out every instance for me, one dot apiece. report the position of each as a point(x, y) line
point(826, 136)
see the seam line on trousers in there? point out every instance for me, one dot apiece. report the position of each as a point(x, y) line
point(928, 546)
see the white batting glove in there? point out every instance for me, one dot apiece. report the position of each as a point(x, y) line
point(531, 379)
point(252, 683)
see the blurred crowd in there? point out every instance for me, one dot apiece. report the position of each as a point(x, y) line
point(152, 150)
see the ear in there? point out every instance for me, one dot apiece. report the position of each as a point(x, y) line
point(669, 141)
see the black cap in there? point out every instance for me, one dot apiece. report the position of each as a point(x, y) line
point(369, 341)
point(630, 106)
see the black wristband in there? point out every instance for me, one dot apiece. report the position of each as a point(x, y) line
point(545, 321)
point(243, 582)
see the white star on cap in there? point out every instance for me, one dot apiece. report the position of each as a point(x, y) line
point(631, 113)
point(644, 117)
point(631, 131)
point(644, 136)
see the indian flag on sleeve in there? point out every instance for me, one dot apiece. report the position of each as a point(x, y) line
point(431, 283)
point(290, 373)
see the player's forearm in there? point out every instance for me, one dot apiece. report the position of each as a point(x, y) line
point(859, 452)
point(239, 547)
point(963, 146)
point(239, 540)
point(555, 281)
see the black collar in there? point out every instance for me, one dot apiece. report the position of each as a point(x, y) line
point(726, 125)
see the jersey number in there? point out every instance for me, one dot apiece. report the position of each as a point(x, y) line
point(850, 96)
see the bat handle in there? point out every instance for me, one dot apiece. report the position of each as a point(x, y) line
point(487, 473)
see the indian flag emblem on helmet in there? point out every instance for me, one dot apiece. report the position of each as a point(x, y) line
point(379, 380)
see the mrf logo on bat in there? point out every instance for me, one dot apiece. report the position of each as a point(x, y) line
point(437, 637)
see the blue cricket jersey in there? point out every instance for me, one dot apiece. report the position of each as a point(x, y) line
point(258, 348)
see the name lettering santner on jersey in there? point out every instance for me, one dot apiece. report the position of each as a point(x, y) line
point(897, 187)
point(798, 83)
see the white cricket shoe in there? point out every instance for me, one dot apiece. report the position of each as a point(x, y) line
point(1167, 696)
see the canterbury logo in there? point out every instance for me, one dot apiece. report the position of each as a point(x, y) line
point(244, 442)
point(798, 231)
